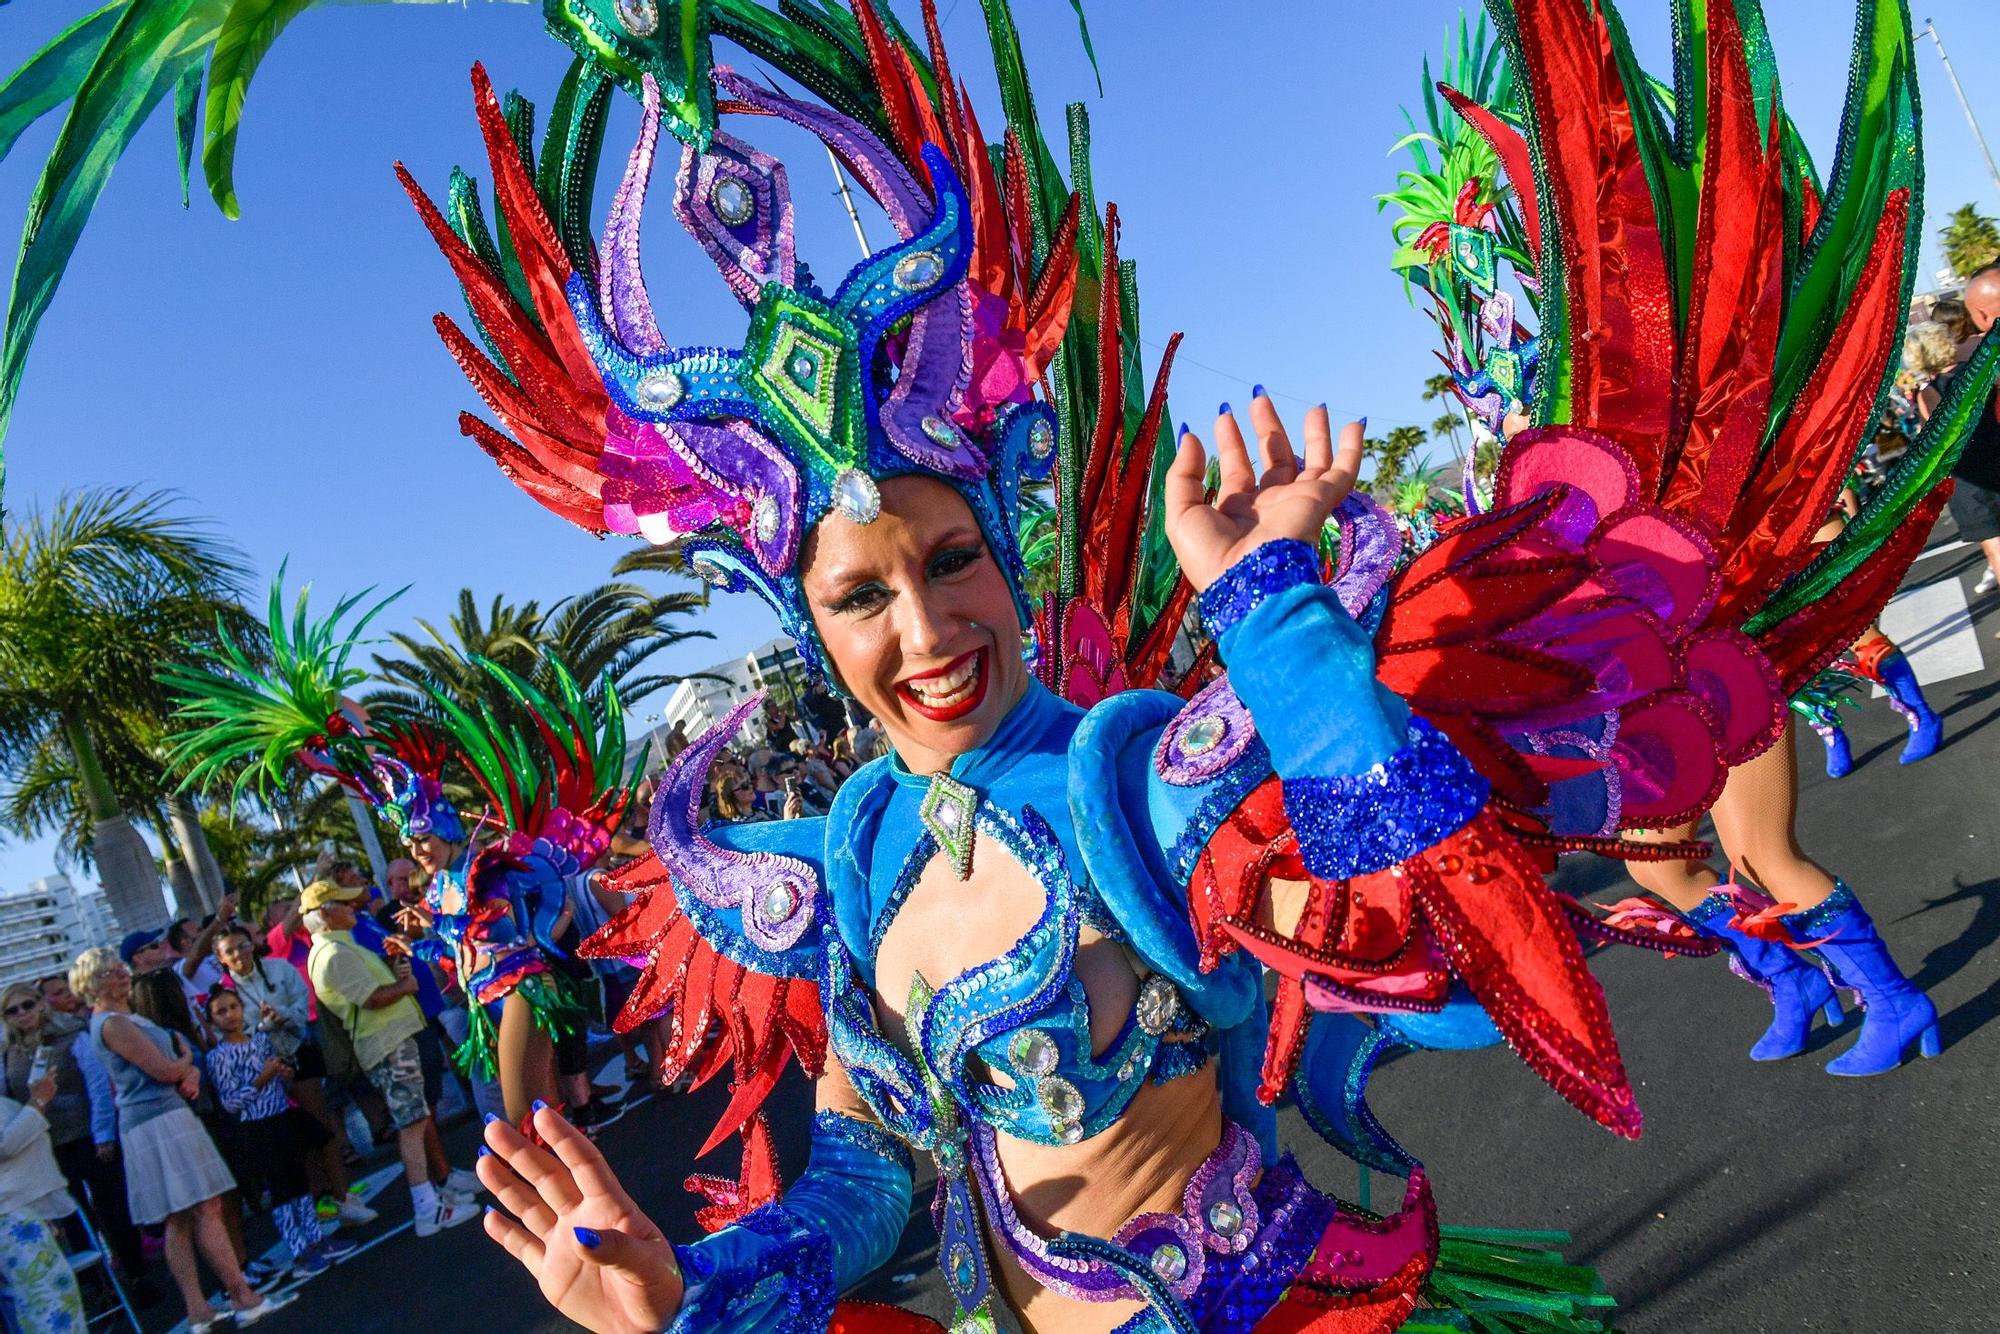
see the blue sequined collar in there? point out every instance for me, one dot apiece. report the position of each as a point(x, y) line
point(1029, 730)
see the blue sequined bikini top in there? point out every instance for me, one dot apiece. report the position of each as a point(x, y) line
point(1026, 1015)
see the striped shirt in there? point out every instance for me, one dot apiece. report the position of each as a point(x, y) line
point(234, 1066)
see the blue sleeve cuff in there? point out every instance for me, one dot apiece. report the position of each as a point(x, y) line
point(768, 1272)
point(1355, 824)
point(1265, 572)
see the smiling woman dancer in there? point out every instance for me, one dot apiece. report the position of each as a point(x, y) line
point(1032, 942)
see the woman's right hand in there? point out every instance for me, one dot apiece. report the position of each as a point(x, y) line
point(599, 1260)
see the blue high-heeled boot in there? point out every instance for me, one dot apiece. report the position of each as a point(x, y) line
point(1926, 728)
point(1797, 988)
point(1894, 1013)
point(1839, 755)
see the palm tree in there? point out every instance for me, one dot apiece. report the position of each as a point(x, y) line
point(606, 633)
point(94, 595)
point(1391, 454)
point(1448, 426)
point(1970, 240)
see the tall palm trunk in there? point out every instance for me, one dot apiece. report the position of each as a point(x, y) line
point(187, 899)
point(371, 843)
point(124, 863)
point(195, 852)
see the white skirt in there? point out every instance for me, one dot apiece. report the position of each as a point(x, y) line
point(170, 1165)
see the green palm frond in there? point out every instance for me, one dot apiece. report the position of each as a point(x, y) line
point(112, 69)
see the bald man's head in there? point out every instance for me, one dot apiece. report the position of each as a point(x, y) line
point(1982, 297)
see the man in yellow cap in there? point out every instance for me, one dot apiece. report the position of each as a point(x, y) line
point(374, 1000)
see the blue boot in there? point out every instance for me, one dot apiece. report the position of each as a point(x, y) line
point(1907, 697)
point(1839, 755)
point(1894, 1013)
point(1796, 987)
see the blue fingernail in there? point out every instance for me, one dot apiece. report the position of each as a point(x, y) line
point(541, 1106)
point(485, 1152)
point(1322, 407)
point(589, 1237)
point(1364, 423)
point(491, 1118)
point(1257, 391)
point(1222, 411)
point(1185, 430)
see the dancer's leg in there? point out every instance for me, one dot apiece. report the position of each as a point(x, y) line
point(1684, 884)
point(525, 1058)
point(1754, 822)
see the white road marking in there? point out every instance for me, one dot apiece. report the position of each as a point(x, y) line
point(1953, 545)
point(1933, 626)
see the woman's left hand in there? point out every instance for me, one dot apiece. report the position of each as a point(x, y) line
point(1289, 501)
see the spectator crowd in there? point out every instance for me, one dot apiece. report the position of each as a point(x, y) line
point(162, 1092)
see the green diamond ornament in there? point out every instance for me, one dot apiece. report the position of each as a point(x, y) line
point(948, 812)
point(1472, 250)
point(802, 365)
point(1507, 371)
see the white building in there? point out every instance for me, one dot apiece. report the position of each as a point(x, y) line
point(45, 926)
point(705, 699)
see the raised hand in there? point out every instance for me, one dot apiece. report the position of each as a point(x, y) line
point(1289, 500)
point(598, 1259)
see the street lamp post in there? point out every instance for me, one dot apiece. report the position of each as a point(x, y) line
point(1992, 170)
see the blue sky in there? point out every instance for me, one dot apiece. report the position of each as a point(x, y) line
point(281, 372)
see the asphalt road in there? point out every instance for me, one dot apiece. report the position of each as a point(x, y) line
point(1762, 1197)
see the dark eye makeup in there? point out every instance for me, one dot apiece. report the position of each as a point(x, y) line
point(946, 563)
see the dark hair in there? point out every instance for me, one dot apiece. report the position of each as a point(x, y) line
point(178, 931)
point(42, 983)
point(158, 996)
point(221, 989)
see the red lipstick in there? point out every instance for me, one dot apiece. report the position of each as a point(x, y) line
point(950, 692)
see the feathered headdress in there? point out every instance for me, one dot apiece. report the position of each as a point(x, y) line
point(920, 362)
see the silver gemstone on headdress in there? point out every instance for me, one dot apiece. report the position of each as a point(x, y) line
point(1225, 1220)
point(914, 273)
point(1041, 438)
point(940, 431)
point(732, 199)
point(764, 518)
point(1170, 1262)
point(641, 18)
point(659, 389)
point(856, 496)
point(709, 572)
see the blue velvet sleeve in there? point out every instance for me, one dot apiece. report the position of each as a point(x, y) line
point(782, 1267)
point(1365, 784)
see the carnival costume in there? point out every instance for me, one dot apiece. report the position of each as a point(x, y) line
point(1730, 329)
point(1537, 680)
point(552, 781)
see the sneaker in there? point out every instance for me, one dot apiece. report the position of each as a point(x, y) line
point(324, 1256)
point(275, 1301)
point(460, 1185)
point(450, 1213)
point(352, 1210)
point(261, 1273)
point(1987, 582)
